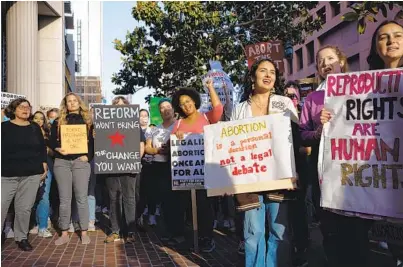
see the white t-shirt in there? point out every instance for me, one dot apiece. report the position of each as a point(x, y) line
point(160, 136)
point(147, 157)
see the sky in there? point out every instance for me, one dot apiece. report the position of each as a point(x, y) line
point(117, 20)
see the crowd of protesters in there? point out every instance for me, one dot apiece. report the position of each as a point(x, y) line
point(41, 182)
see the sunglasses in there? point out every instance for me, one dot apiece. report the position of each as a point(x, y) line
point(292, 96)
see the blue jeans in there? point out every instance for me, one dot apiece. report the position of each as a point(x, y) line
point(42, 211)
point(278, 245)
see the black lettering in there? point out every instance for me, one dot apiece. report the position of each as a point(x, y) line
point(350, 103)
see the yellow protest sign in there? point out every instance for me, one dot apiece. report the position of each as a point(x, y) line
point(74, 138)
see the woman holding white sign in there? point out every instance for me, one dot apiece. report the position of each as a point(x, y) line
point(186, 102)
point(345, 239)
point(262, 96)
point(387, 53)
point(72, 171)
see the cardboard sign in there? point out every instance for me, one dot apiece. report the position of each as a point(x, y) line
point(74, 138)
point(155, 116)
point(273, 50)
point(360, 164)
point(117, 139)
point(7, 98)
point(250, 155)
point(187, 162)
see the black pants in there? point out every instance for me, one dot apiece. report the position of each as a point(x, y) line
point(239, 218)
point(173, 202)
point(205, 218)
point(148, 183)
point(345, 240)
point(122, 192)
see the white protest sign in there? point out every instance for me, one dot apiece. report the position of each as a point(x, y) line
point(221, 82)
point(187, 162)
point(250, 155)
point(360, 168)
point(7, 98)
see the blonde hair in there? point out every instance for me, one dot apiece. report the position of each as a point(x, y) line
point(84, 112)
point(342, 57)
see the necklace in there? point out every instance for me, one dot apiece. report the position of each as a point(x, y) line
point(260, 106)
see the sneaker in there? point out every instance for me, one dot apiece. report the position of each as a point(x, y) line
point(105, 210)
point(151, 220)
point(241, 248)
point(49, 223)
point(399, 263)
point(383, 245)
point(9, 233)
point(176, 240)
point(98, 209)
point(91, 226)
point(112, 238)
point(145, 211)
point(131, 238)
point(34, 231)
point(45, 233)
point(207, 245)
point(71, 229)
point(157, 211)
point(215, 224)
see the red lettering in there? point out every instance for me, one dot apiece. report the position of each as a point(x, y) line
point(331, 82)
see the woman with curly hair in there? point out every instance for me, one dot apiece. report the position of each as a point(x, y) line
point(23, 166)
point(72, 171)
point(186, 103)
point(42, 210)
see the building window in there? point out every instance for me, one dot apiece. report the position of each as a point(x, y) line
point(322, 14)
point(300, 61)
point(311, 53)
point(335, 8)
point(290, 65)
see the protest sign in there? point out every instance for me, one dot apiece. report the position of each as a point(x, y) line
point(6, 98)
point(187, 162)
point(74, 138)
point(155, 116)
point(359, 160)
point(221, 82)
point(117, 139)
point(273, 50)
point(249, 155)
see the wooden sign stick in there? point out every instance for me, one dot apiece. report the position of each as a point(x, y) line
point(194, 217)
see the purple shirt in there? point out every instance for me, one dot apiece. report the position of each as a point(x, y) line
point(310, 118)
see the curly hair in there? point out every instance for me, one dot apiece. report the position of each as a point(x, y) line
point(251, 74)
point(374, 60)
point(342, 58)
point(193, 94)
point(10, 109)
point(84, 112)
point(45, 127)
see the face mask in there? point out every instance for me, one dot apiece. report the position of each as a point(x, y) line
point(51, 121)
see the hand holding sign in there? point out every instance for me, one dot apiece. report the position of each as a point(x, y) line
point(325, 116)
point(209, 84)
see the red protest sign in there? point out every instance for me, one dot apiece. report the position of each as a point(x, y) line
point(273, 50)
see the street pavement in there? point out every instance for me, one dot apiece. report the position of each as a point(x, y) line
point(149, 250)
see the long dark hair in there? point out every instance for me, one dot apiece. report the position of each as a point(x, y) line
point(45, 126)
point(247, 86)
point(374, 60)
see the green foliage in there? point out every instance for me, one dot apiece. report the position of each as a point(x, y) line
point(179, 38)
point(366, 11)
